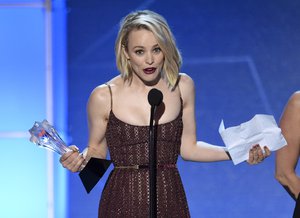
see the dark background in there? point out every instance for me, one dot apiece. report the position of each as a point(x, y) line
point(244, 59)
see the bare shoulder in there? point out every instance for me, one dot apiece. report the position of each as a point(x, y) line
point(102, 93)
point(186, 83)
point(291, 112)
point(186, 86)
point(185, 80)
point(100, 96)
point(294, 100)
point(296, 96)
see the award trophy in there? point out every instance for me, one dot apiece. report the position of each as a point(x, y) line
point(44, 135)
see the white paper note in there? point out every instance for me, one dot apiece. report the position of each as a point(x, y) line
point(261, 129)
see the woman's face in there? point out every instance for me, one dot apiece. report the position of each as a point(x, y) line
point(145, 56)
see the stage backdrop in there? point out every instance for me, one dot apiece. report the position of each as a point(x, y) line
point(244, 59)
point(32, 88)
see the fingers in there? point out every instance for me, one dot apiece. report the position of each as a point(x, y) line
point(267, 151)
point(257, 155)
point(260, 155)
point(65, 156)
point(251, 157)
point(73, 160)
point(74, 148)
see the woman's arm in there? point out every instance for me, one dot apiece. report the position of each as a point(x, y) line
point(194, 150)
point(98, 110)
point(287, 157)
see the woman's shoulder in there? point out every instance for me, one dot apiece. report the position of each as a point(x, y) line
point(186, 87)
point(101, 93)
point(116, 81)
point(185, 83)
point(185, 79)
point(103, 88)
point(296, 95)
point(295, 99)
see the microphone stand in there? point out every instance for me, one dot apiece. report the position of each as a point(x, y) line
point(152, 164)
point(154, 98)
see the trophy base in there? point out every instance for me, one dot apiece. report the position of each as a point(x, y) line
point(92, 172)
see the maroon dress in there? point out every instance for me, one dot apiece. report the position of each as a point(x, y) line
point(126, 192)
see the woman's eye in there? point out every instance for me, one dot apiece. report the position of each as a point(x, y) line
point(139, 52)
point(157, 50)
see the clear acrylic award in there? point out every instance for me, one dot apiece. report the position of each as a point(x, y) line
point(44, 135)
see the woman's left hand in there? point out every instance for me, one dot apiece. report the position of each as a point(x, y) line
point(257, 155)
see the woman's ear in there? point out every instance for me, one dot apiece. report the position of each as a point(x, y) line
point(124, 50)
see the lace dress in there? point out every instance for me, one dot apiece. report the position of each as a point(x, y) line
point(126, 192)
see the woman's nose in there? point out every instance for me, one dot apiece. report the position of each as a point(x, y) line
point(149, 59)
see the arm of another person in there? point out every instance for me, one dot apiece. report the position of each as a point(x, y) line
point(98, 110)
point(194, 150)
point(287, 157)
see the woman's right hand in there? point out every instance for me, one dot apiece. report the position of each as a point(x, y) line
point(73, 160)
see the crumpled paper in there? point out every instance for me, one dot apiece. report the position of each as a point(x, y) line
point(262, 129)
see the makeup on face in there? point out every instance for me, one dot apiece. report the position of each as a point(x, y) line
point(146, 57)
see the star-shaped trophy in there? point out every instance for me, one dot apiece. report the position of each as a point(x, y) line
point(44, 135)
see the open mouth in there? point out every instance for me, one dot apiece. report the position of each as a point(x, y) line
point(149, 70)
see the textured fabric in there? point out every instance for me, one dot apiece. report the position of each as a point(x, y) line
point(126, 193)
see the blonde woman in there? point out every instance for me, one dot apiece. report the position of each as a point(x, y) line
point(118, 117)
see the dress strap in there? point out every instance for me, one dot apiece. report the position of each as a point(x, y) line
point(177, 84)
point(111, 98)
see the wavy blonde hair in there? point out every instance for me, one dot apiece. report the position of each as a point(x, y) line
point(155, 23)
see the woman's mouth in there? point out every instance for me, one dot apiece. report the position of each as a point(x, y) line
point(149, 70)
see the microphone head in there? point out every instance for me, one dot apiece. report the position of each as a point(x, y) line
point(155, 97)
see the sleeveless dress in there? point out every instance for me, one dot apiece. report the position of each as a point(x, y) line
point(126, 192)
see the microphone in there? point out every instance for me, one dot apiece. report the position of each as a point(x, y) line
point(155, 97)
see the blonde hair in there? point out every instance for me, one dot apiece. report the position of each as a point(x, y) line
point(155, 23)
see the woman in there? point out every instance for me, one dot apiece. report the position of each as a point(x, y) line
point(118, 117)
point(287, 157)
